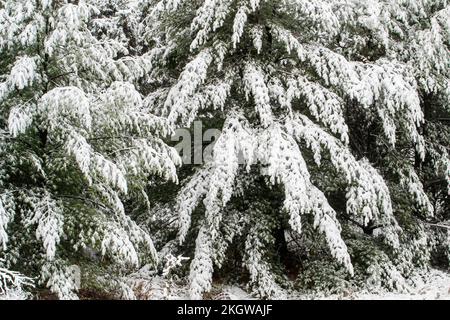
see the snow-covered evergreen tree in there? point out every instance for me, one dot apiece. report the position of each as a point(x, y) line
point(332, 168)
point(13, 285)
point(335, 107)
point(77, 141)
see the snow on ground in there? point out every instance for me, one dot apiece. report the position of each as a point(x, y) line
point(435, 285)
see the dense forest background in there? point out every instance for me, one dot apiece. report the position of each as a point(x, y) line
point(158, 149)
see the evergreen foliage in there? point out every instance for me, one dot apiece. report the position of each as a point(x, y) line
point(331, 172)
